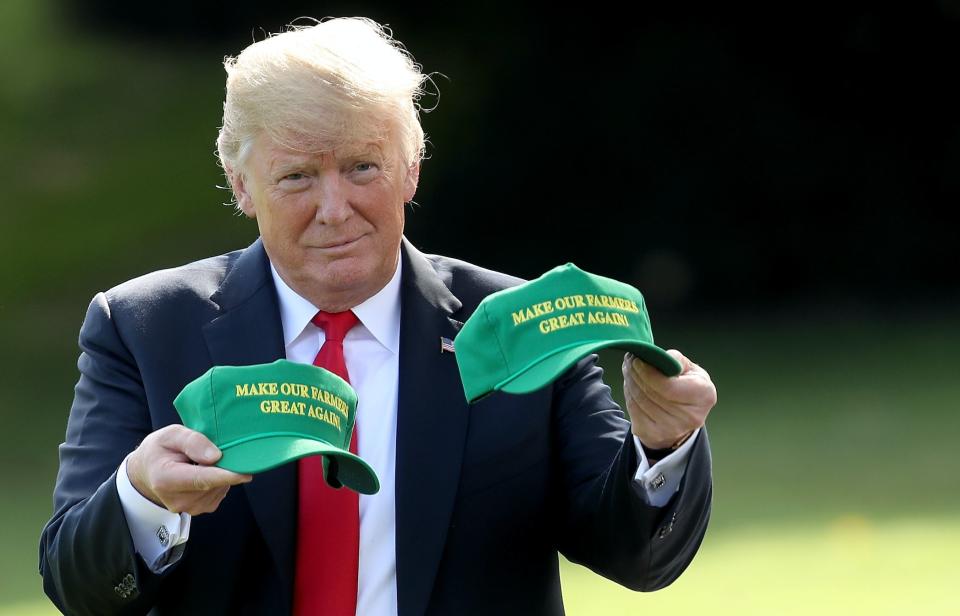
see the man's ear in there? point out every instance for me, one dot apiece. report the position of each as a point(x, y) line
point(241, 193)
point(410, 182)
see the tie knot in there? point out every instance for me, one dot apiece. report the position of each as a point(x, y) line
point(335, 325)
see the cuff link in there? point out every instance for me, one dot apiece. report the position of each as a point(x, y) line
point(163, 535)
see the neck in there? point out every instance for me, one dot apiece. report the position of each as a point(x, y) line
point(331, 298)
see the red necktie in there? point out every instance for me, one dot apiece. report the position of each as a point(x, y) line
point(328, 554)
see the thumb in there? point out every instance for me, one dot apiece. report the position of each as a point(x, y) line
point(685, 363)
point(201, 450)
point(192, 444)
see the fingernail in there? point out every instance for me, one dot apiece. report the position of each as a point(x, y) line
point(210, 453)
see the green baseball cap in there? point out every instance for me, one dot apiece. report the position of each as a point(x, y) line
point(266, 415)
point(521, 338)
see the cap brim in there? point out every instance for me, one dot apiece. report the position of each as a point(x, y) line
point(263, 454)
point(546, 369)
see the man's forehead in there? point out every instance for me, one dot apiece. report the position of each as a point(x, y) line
point(303, 150)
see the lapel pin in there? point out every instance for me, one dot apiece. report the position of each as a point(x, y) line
point(446, 345)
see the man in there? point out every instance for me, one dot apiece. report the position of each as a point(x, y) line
point(322, 145)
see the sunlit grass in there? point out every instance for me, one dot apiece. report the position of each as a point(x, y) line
point(30, 608)
point(850, 566)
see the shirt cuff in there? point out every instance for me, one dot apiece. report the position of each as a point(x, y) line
point(658, 483)
point(158, 534)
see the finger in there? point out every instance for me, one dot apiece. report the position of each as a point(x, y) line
point(658, 417)
point(179, 477)
point(651, 372)
point(211, 478)
point(665, 418)
point(678, 397)
point(191, 443)
point(685, 364)
point(635, 405)
point(626, 368)
point(646, 376)
point(689, 367)
point(690, 389)
point(689, 414)
point(661, 403)
point(633, 387)
point(210, 501)
point(654, 428)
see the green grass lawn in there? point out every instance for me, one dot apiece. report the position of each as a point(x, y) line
point(852, 565)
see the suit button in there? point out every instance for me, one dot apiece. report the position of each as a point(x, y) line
point(126, 586)
point(666, 530)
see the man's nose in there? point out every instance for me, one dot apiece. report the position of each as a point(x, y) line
point(333, 203)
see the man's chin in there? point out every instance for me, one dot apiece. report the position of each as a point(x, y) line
point(347, 279)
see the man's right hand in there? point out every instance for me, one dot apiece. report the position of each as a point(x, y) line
point(172, 468)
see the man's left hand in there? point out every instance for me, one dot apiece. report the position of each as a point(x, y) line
point(663, 410)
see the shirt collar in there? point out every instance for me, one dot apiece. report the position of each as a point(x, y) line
point(379, 314)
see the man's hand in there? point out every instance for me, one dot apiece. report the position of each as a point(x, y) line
point(663, 410)
point(171, 467)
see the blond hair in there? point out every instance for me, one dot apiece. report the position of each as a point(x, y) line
point(319, 87)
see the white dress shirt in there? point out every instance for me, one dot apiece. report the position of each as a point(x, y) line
point(372, 354)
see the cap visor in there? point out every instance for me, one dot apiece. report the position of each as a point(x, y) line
point(263, 454)
point(548, 368)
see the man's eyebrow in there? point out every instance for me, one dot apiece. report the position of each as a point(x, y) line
point(285, 162)
point(363, 151)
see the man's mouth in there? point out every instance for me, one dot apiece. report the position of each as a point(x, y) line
point(340, 243)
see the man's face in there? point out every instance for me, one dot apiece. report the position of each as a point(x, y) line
point(330, 222)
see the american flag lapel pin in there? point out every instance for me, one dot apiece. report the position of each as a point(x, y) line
point(446, 345)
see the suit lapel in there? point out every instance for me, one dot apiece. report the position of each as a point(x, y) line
point(431, 429)
point(248, 331)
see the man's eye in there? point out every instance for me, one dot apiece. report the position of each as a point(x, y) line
point(293, 177)
point(365, 167)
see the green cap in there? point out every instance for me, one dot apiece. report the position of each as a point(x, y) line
point(266, 415)
point(521, 338)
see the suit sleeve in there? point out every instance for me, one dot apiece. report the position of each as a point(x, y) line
point(87, 557)
point(608, 525)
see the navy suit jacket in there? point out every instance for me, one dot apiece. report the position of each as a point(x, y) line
point(486, 494)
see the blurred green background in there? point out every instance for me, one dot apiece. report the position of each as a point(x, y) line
point(836, 471)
